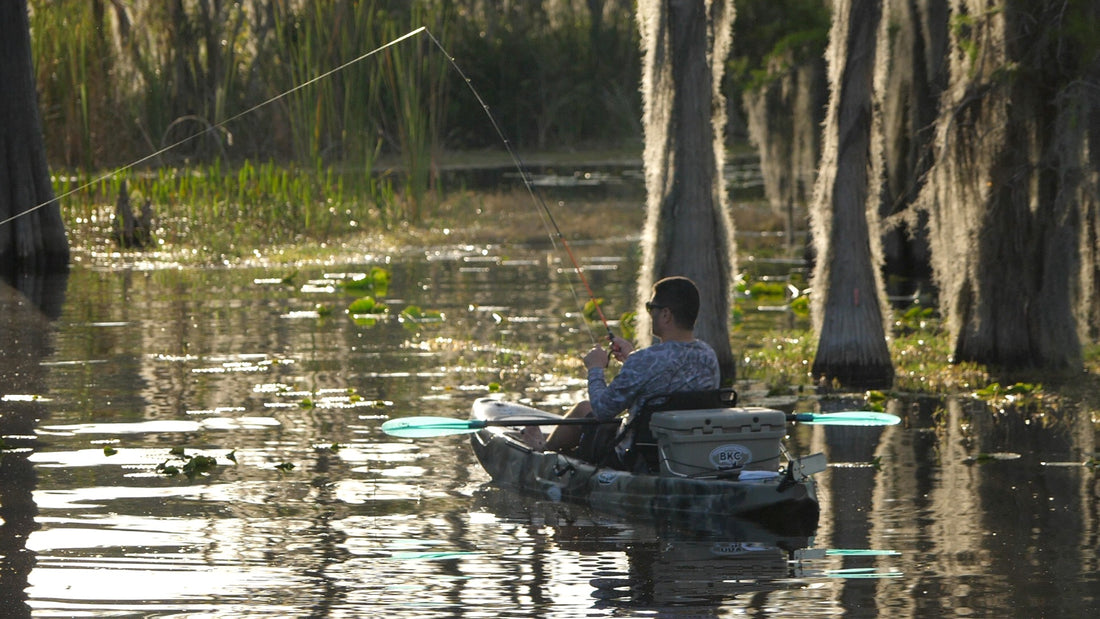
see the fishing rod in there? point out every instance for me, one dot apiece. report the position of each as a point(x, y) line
point(556, 235)
point(216, 126)
point(545, 214)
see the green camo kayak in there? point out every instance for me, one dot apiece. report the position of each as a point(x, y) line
point(715, 464)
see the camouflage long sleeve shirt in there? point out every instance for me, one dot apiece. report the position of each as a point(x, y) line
point(662, 368)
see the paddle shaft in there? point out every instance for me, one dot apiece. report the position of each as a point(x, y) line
point(587, 421)
point(564, 421)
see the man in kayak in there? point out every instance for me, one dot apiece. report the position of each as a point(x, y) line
point(679, 362)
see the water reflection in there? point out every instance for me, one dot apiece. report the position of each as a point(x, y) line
point(28, 305)
point(658, 568)
point(310, 510)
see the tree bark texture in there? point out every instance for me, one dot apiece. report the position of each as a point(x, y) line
point(911, 73)
point(1091, 211)
point(1015, 183)
point(848, 297)
point(32, 237)
point(688, 230)
point(784, 122)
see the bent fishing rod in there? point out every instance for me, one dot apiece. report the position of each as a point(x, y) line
point(216, 126)
point(556, 235)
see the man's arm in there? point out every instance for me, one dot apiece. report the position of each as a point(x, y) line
point(610, 400)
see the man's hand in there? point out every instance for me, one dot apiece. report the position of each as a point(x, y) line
point(621, 349)
point(599, 358)
point(596, 358)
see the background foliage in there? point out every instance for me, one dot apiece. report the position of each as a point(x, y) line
point(119, 80)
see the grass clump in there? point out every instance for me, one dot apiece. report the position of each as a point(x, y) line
point(224, 212)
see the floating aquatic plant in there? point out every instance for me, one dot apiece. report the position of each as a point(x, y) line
point(1020, 394)
point(199, 465)
point(367, 305)
point(192, 465)
point(376, 282)
point(876, 400)
point(876, 463)
point(986, 458)
point(761, 290)
point(414, 314)
point(917, 319)
point(169, 470)
point(800, 305)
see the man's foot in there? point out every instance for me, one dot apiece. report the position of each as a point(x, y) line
point(533, 437)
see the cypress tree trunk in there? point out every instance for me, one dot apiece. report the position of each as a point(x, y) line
point(784, 121)
point(30, 240)
point(1091, 212)
point(688, 229)
point(911, 74)
point(848, 298)
point(1015, 183)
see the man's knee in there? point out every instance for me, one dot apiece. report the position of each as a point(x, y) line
point(580, 409)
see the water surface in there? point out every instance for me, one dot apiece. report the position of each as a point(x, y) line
point(310, 511)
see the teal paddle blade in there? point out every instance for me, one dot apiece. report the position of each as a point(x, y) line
point(424, 427)
point(848, 418)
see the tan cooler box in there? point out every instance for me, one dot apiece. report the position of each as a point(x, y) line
point(702, 442)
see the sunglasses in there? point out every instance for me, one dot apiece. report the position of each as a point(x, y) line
point(649, 307)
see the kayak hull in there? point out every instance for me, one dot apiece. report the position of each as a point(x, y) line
point(698, 501)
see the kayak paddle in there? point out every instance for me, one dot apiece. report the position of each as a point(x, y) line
point(424, 427)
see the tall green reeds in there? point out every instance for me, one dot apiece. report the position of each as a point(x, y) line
point(122, 80)
point(72, 59)
point(415, 77)
point(114, 76)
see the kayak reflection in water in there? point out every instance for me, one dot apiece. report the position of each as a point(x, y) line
point(679, 362)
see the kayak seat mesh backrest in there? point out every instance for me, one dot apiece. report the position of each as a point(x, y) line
point(642, 455)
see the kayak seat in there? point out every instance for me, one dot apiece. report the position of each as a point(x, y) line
point(642, 456)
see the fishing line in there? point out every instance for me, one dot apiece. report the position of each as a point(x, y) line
point(545, 214)
point(548, 219)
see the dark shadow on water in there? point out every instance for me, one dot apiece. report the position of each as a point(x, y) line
point(28, 306)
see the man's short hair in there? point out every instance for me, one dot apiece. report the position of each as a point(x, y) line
point(681, 297)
